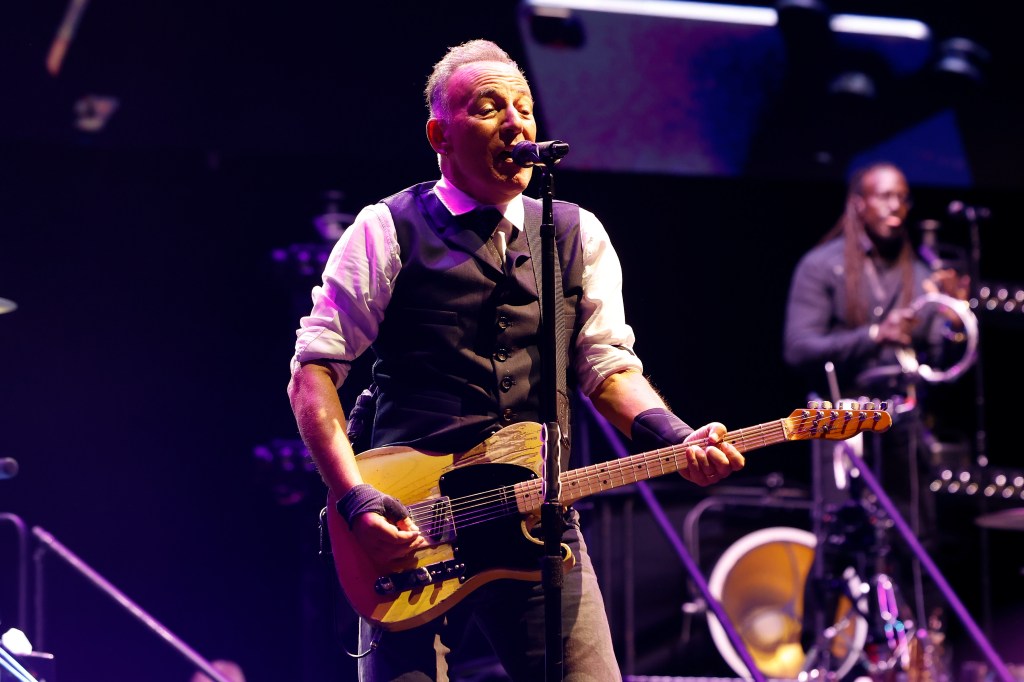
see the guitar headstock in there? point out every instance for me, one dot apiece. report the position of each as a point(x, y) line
point(845, 420)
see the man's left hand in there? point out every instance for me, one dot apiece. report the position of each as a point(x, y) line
point(711, 462)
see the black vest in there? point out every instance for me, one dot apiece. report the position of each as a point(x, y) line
point(457, 352)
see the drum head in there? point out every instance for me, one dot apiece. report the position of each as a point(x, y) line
point(759, 581)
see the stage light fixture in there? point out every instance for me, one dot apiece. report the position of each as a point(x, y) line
point(961, 62)
point(855, 85)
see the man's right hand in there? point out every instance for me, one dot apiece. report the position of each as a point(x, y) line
point(390, 544)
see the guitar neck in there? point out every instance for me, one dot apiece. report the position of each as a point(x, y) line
point(597, 478)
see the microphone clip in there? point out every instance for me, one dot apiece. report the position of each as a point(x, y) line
point(527, 154)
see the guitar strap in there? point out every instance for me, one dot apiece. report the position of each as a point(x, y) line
point(532, 224)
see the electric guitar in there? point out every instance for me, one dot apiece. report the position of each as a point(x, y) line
point(477, 508)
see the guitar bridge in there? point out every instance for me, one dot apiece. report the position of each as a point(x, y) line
point(419, 577)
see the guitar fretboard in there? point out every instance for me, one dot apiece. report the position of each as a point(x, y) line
point(605, 476)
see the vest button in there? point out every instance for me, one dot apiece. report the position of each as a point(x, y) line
point(507, 383)
point(507, 414)
point(502, 354)
point(503, 322)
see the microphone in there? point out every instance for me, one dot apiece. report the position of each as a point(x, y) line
point(929, 250)
point(528, 154)
point(8, 468)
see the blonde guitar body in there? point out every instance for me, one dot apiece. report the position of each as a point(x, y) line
point(477, 508)
point(501, 547)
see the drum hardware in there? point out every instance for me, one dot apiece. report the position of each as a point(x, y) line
point(1006, 519)
point(759, 581)
point(919, 653)
point(999, 668)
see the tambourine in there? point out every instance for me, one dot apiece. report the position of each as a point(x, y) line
point(925, 307)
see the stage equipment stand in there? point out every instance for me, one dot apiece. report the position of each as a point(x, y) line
point(552, 521)
point(22, 579)
point(659, 515)
point(998, 666)
point(50, 542)
point(974, 215)
point(9, 663)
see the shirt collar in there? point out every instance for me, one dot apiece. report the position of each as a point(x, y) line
point(458, 202)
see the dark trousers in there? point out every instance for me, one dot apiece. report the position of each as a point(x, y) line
point(510, 613)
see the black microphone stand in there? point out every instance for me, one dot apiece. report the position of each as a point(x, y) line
point(974, 215)
point(552, 522)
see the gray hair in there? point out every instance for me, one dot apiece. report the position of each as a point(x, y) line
point(436, 92)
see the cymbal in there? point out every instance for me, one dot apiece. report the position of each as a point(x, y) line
point(1006, 519)
point(7, 305)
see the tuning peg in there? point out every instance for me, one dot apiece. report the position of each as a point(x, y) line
point(826, 404)
point(869, 406)
point(813, 405)
point(883, 406)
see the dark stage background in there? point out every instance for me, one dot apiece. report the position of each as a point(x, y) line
point(142, 376)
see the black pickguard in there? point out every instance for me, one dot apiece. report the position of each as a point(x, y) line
point(496, 542)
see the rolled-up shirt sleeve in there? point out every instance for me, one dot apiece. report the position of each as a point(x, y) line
point(349, 303)
point(605, 343)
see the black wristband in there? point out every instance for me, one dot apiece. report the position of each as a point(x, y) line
point(658, 428)
point(364, 498)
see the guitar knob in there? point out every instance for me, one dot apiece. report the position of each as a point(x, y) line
point(421, 575)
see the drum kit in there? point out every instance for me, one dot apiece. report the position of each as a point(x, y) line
point(763, 580)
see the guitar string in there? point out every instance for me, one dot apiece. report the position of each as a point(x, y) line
point(481, 507)
point(478, 508)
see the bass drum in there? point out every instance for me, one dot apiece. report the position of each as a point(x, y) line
point(759, 581)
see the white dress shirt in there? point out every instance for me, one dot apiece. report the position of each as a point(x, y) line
point(365, 264)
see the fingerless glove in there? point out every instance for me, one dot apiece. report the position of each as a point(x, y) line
point(658, 428)
point(364, 498)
